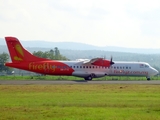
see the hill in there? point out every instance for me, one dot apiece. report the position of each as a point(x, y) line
point(82, 46)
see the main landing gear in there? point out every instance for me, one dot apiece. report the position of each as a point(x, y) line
point(89, 78)
point(148, 78)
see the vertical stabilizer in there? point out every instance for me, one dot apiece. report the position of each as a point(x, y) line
point(18, 53)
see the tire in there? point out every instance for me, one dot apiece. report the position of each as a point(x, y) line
point(89, 78)
point(148, 79)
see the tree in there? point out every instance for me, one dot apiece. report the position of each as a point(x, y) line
point(51, 54)
point(4, 57)
point(57, 53)
point(38, 53)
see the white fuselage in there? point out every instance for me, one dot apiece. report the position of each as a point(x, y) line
point(117, 69)
point(132, 69)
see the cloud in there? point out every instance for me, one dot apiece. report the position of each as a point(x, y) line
point(117, 23)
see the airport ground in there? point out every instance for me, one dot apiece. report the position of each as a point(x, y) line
point(78, 99)
point(65, 82)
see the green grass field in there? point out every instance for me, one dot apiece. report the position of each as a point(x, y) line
point(80, 102)
point(48, 77)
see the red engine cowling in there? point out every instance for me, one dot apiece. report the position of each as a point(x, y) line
point(102, 62)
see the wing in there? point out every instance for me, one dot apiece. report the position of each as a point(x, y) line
point(98, 61)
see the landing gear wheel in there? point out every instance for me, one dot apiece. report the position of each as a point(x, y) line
point(148, 79)
point(89, 78)
point(93, 75)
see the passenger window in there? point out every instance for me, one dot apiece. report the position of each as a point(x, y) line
point(114, 67)
point(117, 67)
point(126, 67)
point(83, 66)
point(120, 67)
point(70, 66)
point(89, 66)
point(129, 67)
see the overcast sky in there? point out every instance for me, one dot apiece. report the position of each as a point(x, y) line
point(125, 23)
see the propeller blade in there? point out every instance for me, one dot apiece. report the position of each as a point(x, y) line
point(111, 62)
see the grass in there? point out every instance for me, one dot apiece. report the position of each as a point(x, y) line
point(77, 102)
point(48, 77)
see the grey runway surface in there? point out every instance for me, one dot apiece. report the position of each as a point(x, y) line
point(47, 82)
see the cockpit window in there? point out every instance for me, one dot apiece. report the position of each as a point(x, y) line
point(141, 65)
point(146, 66)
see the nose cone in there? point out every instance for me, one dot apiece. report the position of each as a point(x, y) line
point(154, 71)
point(157, 72)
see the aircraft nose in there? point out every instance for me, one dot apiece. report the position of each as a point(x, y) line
point(155, 72)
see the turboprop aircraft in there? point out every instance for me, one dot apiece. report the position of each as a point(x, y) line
point(85, 68)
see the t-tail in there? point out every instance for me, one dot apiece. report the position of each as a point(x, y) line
point(18, 53)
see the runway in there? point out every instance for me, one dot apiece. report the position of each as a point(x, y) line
point(49, 82)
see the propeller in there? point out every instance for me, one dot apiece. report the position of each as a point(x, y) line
point(111, 62)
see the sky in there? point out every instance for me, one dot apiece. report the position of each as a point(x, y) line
point(123, 23)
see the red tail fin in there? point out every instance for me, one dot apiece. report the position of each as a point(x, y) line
point(18, 53)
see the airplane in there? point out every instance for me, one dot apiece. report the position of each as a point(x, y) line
point(84, 68)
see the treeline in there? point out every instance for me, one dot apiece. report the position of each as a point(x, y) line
point(51, 54)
